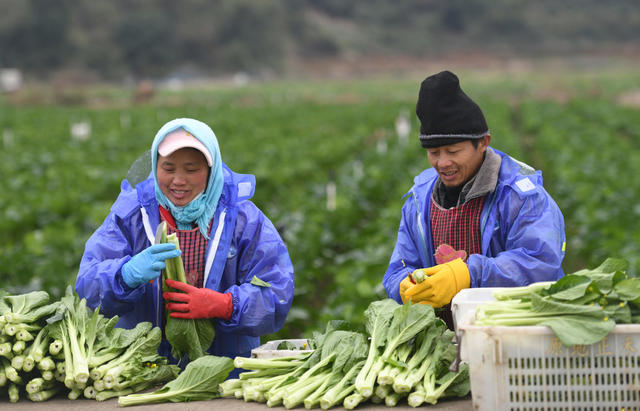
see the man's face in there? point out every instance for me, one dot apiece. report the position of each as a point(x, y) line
point(458, 163)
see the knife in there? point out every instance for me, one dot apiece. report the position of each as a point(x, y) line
point(159, 231)
point(158, 239)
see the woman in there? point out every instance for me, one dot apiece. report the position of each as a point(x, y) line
point(225, 240)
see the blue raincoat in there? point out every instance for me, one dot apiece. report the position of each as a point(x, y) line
point(522, 232)
point(243, 243)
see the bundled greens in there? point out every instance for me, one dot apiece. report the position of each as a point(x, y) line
point(64, 346)
point(409, 353)
point(199, 381)
point(188, 338)
point(581, 308)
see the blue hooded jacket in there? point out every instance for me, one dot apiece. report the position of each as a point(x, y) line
point(247, 244)
point(522, 232)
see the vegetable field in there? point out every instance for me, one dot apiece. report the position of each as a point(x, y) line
point(332, 162)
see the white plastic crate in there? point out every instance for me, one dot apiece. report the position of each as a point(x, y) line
point(464, 304)
point(463, 308)
point(270, 349)
point(528, 368)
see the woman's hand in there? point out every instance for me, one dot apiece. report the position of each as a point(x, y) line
point(194, 302)
point(147, 264)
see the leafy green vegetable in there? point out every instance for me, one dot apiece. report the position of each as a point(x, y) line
point(378, 317)
point(581, 308)
point(87, 354)
point(416, 353)
point(199, 381)
point(188, 338)
point(406, 322)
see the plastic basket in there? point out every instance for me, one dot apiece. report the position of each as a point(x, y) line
point(528, 368)
point(464, 304)
point(270, 349)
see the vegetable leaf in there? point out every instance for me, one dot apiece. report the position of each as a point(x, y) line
point(256, 281)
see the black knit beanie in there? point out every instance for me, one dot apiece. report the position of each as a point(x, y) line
point(447, 115)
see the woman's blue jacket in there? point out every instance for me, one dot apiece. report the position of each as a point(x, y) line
point(243, 244)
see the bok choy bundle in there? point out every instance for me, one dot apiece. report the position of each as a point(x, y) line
point(188, 338)
point(405, 355)
point(581, 308)
point(63, 346)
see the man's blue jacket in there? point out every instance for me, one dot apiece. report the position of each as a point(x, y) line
point(522, 229)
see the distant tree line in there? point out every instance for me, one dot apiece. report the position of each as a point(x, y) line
point(154, 38)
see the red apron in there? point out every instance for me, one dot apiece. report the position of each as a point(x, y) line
point(458, 227)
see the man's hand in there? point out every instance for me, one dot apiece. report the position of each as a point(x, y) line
point(444, 281)
point(404, 286)
point(195, 302)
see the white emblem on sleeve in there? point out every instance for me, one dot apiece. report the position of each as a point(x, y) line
point(244, 189)
point(525, 185)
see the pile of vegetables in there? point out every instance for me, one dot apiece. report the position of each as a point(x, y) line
point(49, 347)
point(407, 357)
point(581, 308)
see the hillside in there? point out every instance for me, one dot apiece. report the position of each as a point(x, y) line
point(155, 39)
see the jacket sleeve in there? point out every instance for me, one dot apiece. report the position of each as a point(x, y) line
point(260, 252)
point(527, 245)
point(406, 253)
point(99, 278)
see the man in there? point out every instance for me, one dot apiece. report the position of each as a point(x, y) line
point(477, 217)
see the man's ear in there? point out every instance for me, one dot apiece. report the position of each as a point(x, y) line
point(484, 142)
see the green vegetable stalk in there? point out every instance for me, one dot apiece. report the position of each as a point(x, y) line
point(190, 338)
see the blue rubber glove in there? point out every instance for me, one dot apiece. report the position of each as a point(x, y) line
point(148, 264)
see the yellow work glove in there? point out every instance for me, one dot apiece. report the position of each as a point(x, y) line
point(444, 281)
point(404, 286)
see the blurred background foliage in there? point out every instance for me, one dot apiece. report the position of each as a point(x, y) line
point(149, 38)
point(316, 99)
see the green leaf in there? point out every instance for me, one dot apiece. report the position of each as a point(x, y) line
point(189, 337)
point(378, 315)
point(256, 281)
point(619, 312)
point(611, 265)
point(579, 330)
point(547, 306)
point(569, 287)
point(603, 276)
point(23, 303)
point(408, 320)
point(628, 289)
point(199, 381)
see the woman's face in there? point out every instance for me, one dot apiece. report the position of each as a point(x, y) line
point(182, 175)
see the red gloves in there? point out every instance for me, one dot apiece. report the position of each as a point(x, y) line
point(196, 302)
point(445, 253)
